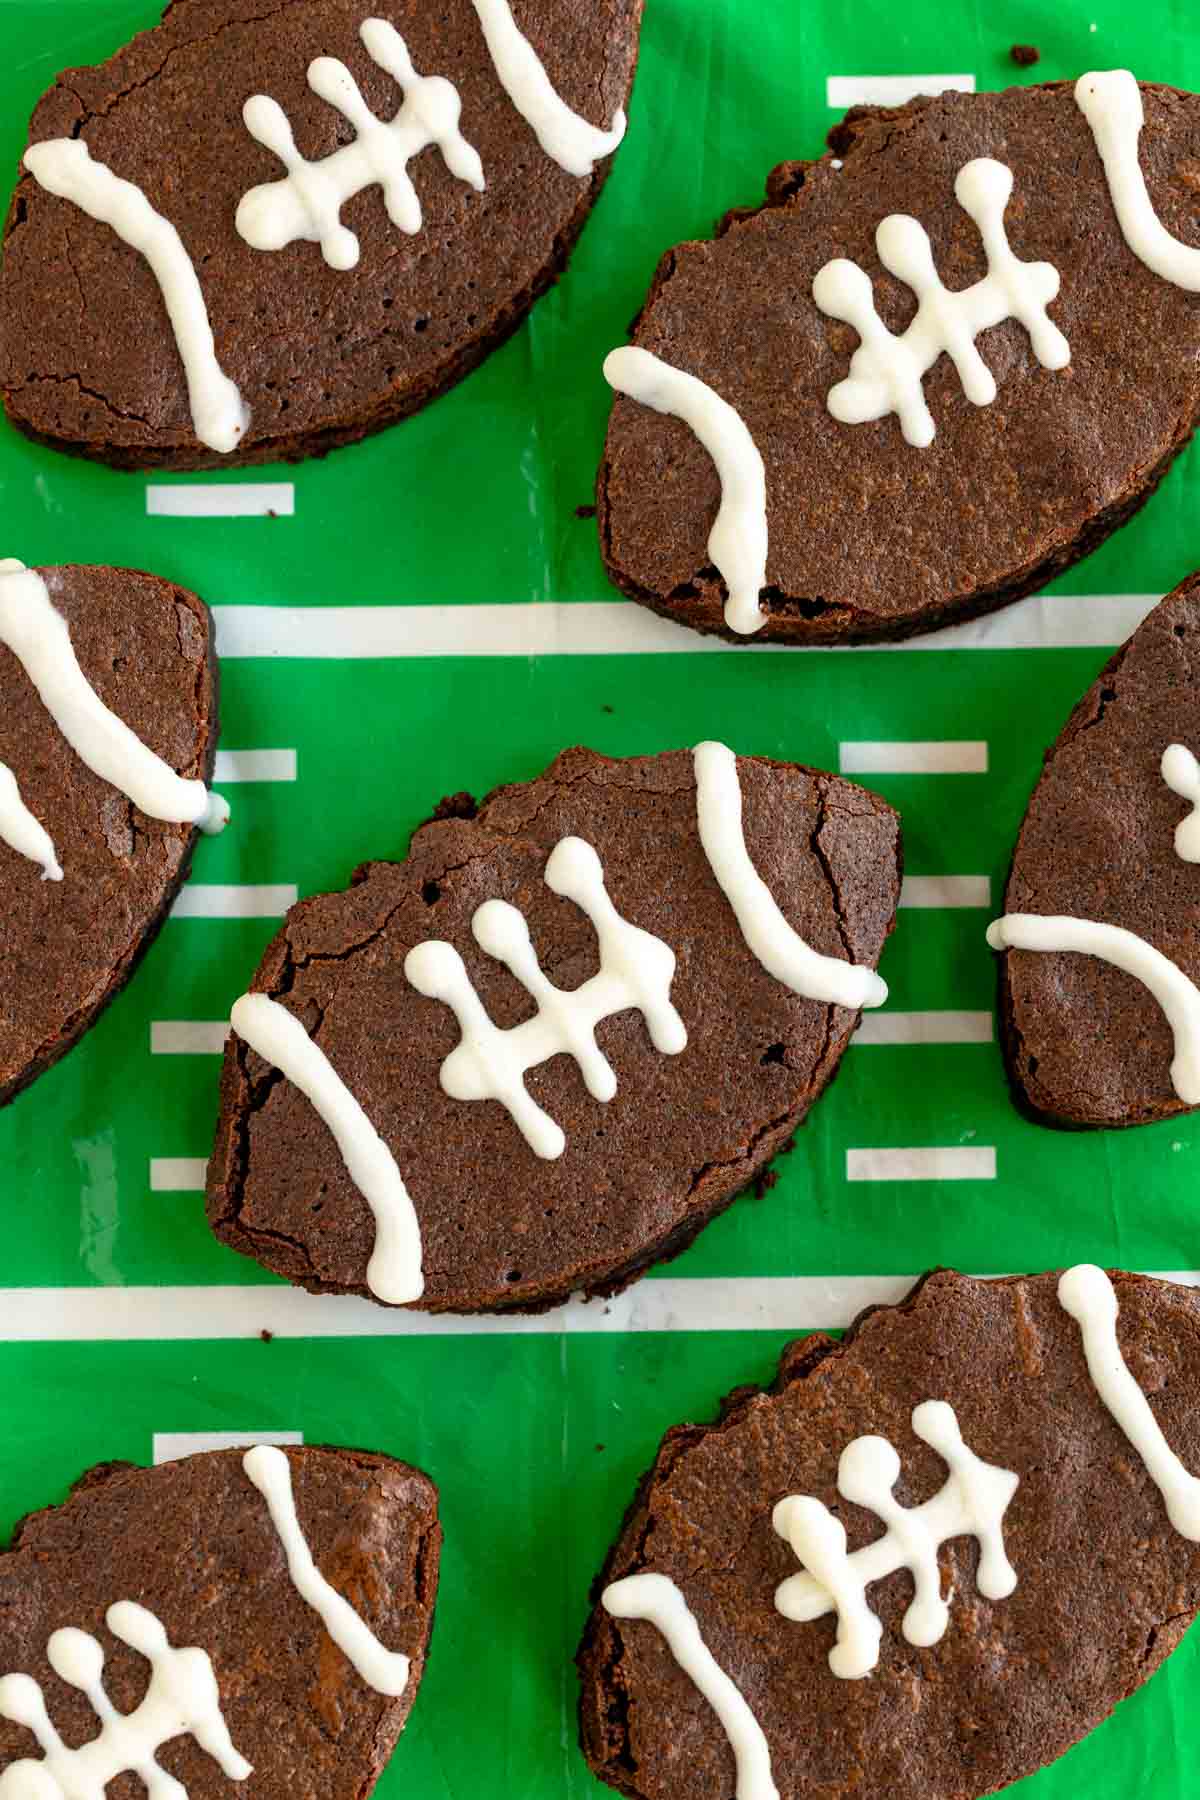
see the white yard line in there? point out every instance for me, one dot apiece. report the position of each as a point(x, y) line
point(255, 765)
point(938, 1162)
point(842, 91)
point(210, 900)
point(206, 1037)
point(938, 756)
point(883, 1028)
point(172, 1446)
point(618, 627)
point(178, 1174)
point(188, 1037)
point(945, 890)
point(759, 1303)
point(220, 500)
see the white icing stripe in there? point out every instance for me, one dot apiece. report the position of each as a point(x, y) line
point(307, 202)
point(21, 831)
point(1181, 772)
point(1175, 992)
point(394, 1272)
point(737, 542)
point(567, 139)
point(971, 1503)
point(636, 970)
point(384, 1670)
point(38, 636)
point(182, 1700)
point(768, 935)
point(887, 371)
point(656, 1599)
point(1111, 102)
point(63, 166)
point(1088, 1295)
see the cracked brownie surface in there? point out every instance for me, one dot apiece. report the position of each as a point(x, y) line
point(1105, 1586)
point(322, 356)
point(640, 1175)
point(1086, 1044)
point(193, 1542)
point(68, 946)
point(869, 537)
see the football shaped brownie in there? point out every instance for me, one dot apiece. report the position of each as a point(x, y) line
point(1099, 1007)
point(108, 734)
point(541, 1053)
point(227, 1624)
point(258, 233)
point(938, 366)
point(925, 1562)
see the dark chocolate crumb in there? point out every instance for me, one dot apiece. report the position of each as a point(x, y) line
point(456, 806)
point(585, 512)
point(268, 1337)
point(1025, 55)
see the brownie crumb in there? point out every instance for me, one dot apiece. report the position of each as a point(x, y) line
point(456, 806)
point(585, 512)
point(765, 1181)
point(268, 1337)
point(1025, 55)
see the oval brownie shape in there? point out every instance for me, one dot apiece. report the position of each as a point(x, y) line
point(504, 1224)
point(1087, 1043)
point(320, 355)
point(193, 1543)
point(869, 536)
point(145, 647)
point(1104, 1586)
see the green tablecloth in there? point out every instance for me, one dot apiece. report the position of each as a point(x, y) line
point(121, 1319)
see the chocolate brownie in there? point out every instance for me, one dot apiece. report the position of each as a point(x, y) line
point(68, 946)
point(1085, 1042)
point(320, 355)
point(1105, 1586)
point(518, 1213)
point(870, 537)
point(193, 1543)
